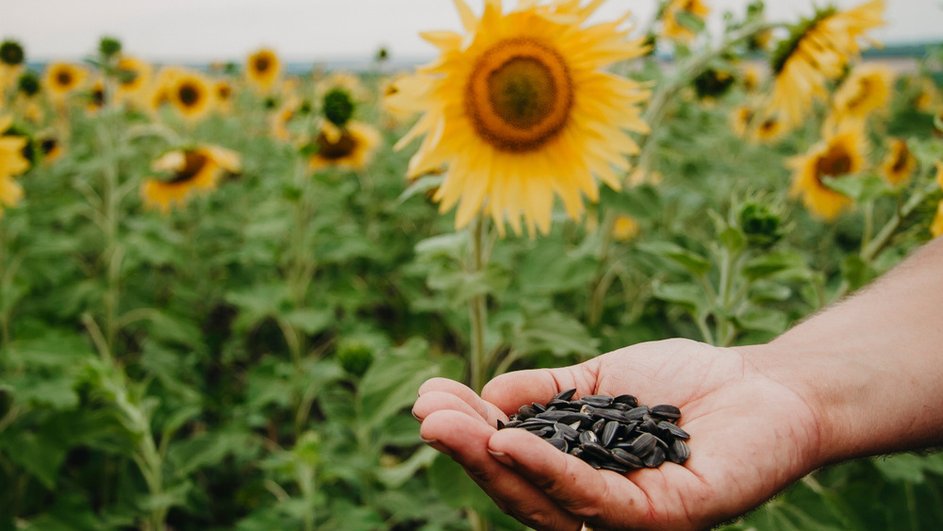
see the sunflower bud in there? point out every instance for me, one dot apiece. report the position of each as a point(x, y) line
point(28, 84)
point(338, 107)
point(11, 53)
point(760, 224)
point(355, 357)
point(109, 47)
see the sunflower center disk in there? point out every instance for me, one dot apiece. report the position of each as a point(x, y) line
point(193, 164)
point(835, 163)
point(189, 95)
point(262, 64)
point(519, 95)
point(64, 78)
point(339, 149)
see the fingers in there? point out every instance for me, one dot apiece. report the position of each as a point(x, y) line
point(510, 391)
point(437, 387)
point(465, 439)
point(591, 495)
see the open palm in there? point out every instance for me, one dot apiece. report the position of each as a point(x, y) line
point(750, 437)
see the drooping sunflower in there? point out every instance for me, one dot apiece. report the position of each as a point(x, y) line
point(521, 110)
point(351, 147)
point(672, 28)
point(190, 94)
point(262, 69)
point(815, 53)
point(61, 79)
point(134, 78)
point(865, 91)
point(839, 154)
point(186, 172)
point(899, 164)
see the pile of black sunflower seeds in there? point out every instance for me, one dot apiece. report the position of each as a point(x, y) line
point(611, 433)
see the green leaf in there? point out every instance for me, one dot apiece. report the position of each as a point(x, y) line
point(780, 264)
point(689, 260)
point(861, 189)
point(391, 382)
point(452, 244)
point(38, 453)
point(396, 476)
point(421, 185)
point(207, 449)
point(309, 320)
point(763, 320)
point(689, 296)
point(689, 20)
point(556, 333)
point(856, 272)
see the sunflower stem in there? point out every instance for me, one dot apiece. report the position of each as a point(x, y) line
point(477, 310)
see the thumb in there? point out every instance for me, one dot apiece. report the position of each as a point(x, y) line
point(512, 390)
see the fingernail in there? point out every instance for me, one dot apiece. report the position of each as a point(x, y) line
point(501, 457)
point(415, 416)
point(428, 441)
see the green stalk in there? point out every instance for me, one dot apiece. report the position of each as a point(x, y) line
point(477, 311)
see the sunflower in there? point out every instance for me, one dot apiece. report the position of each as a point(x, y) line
point(96, 97)
point(50, 146)
point(187, 171)
point(839, 154)
point(351, 146)
point(283, 116)
point(262, 69)
point(190, 94)
point(740, 120)
point(625, 228)
point(768, 130)
point(12, 163)
point(134, 78)
point(751, 78)
point(672, 28)
point(816, 52)
point(928, 96)
point(899, 163)
point(222, 92)
point(61, 79)
point(866, 90)
point(395, 109)
point(936, 227)
point(162, 86)
point(521, 110)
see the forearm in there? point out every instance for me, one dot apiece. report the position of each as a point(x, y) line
point(871, 367)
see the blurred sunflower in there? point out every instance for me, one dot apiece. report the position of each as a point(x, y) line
point(520, 109)
point(751, 78)
point(12, 58)
point(672, 27)
point(816, 52)
point(96, 97)
point(187, 171)
point(928, 96)
point(12, 163)
point(61, 79)
point(899, 164)
point(50, 146)
point(161, 87)
point(936, 227)
point(279, 121)
point(263, 69)
point(741, 119)
point(866, 90)
point(395, 109)
point(768, 130)
point(351, 146)
point(839, 154)
point(190, 94)
point(134, 78)
point(625, 228)
point(222, 92)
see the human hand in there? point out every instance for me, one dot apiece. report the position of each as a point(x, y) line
point(750, 437)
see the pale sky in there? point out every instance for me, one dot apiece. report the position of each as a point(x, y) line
point(306, 30)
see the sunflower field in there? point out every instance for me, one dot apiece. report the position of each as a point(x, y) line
point(221, 287)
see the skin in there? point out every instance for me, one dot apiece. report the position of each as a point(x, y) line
point(863, 377)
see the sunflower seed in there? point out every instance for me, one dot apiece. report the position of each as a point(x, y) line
point(626, 459)
point(679, 452)
point(644, 444)
point(564, 395)
point(558, 443)
point(674, 430)
point(596, 451)
point(636, 413)
point(610, 432)
point(655, 459)
point(597, 400)
point(627, 400)
point(588, 437)
point(667, 412)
